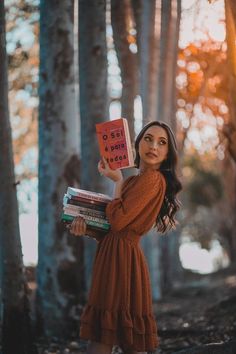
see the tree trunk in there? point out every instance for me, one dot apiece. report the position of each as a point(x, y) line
point(93, 100)
point(170, 265)
point(144, 14)
point(60, 265)
point(127, 60)
point(16, 337)
point(152, 251)
point(228, 227)
point(170, 22)
point(159, 103)
point(230, 128)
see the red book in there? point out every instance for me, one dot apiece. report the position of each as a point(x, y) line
point(115, 144)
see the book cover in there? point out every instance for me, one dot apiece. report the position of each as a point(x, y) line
point(115, 144)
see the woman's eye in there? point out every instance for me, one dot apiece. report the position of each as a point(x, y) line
point(147, 138)
point(162, 142)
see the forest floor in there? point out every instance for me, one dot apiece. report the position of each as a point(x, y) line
point(198, 317)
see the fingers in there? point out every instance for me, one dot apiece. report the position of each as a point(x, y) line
point(103, 166)
point(105, 162)
point(78, 226)
point(100, 167)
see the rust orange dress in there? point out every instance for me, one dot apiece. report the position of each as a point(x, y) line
point(119, 309)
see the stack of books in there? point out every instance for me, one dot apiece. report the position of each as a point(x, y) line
point(89, 205)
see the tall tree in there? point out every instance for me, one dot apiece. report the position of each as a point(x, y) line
point(93, 98)
point(147, 42)
point(230, 128)
point(170, 24)
point(60, 265)
point(120, 20)
point(16, 336)
point(157, 24)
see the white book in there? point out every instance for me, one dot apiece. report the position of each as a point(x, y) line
point(76, 192)
point(77, 210)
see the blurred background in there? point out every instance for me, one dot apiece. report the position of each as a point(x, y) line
point(201, 112)
point(72, 64)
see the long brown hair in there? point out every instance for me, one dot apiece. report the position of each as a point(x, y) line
point(165, 219)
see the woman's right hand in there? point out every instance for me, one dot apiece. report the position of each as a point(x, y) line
point(78, 226)
point(105, 170)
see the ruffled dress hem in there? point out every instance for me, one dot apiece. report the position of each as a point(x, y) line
point(136, 332)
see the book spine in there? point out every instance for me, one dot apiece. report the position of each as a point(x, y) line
point(97, 224)
point(89, 227)
point(86, 200)
point(92, 212)
point(128, 143)
point(86, 216)
point(87, 195)
point(87, 205)
point(91, 223)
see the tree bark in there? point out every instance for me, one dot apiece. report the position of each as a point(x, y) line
point(93, 100)
point(60, 267)
point(230, 127)
point(170, 22)
point(144, 14)
point(170, 265)
point(127, 60)
point(16, 336)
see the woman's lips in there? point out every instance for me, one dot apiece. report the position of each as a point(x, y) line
point(150, 154)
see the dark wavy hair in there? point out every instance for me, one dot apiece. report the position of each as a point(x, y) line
point(165, 218)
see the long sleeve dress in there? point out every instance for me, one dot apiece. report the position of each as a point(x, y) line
point(119, 308)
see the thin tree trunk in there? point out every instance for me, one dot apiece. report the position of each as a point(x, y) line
point(154, 84)
point(60, 265)
point(165, 26)
point(127, 60)
point(16, 337)
point(144, 14)
point(230, 128)
point(170, 265)
point(93, 100)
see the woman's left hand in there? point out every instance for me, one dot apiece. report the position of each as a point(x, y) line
point(105, 170)
point(78, 226)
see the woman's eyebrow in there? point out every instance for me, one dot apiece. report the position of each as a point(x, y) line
point(160, 137)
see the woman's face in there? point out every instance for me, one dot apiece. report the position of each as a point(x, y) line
point(153, 147)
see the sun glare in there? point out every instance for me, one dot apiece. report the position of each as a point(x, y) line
point(201, 20)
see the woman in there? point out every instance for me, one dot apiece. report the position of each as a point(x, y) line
point(119, 309)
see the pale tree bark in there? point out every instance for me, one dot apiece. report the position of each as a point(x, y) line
point(60, 265)
point(120, 13)
point(170, 22)
point(230, 127)
point(228, 227)
point(144, 14)
point(163, 68)
point(170, 265)
point(16, 337)
point(148, 41)
point(93, 100)
point(158, 47)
